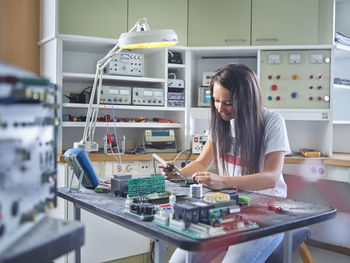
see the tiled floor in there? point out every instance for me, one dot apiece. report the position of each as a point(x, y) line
point(323, 256)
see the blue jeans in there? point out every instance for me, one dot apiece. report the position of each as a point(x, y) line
point(254, 251)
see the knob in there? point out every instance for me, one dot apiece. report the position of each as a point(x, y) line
point(294, 95)
point(326, 98)
point(311, 77)
point(269, 98)
point(320, 76)
point(295, 77)
point(319, 98)
point(311, 87)
point(311, 98)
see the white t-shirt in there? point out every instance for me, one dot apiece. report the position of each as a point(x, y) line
point(275, 139)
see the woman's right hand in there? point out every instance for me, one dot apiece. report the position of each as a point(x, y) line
point(169, 174)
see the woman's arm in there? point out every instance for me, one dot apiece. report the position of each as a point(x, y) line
point(202, 162)
point(268, 178)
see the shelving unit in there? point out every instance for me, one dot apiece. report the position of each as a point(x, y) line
point(75, 60)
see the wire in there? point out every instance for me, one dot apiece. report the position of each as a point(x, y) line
point(109, 135)
point(116, 136)
point(177, 156)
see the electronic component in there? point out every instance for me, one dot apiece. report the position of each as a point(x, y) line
point(147, 96)
point(140, 207)
point(159, 141)
point(196, 191)
point(127, 63)
point(207, 77)
point(110, 143)
point(119, 185)
point(145, 186)
point(28, 121)
point(116, 95)
point(198, 142)
point(204, 97)
point(274, 59)
point(174, 57)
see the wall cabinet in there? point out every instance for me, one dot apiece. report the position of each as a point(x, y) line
point(219, 23)
point(282, 22)
point(107, 18)
point(161, 14)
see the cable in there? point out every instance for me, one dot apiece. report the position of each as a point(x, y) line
point(116, 136)
point(109, 135)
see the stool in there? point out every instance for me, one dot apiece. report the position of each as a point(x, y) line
point(299, 236)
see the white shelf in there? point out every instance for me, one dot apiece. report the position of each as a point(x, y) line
point(342, 51)
point(124, 107)
point(176, 66)
point(341, 122)
point(337, 86)
point(84, 76)
point(125, 125)
point(304, 114)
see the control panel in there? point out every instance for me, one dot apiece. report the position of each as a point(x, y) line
point(147, 96)
point(198, 142)
point(28, 120)
point(116, 95)
point(127, 63)
point(295, 79)
point(204, 96)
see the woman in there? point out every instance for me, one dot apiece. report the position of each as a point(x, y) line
point(248, 144)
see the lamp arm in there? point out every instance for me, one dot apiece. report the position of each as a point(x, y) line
point(91, 117)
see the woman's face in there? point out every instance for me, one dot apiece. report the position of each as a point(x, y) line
point(223, 102)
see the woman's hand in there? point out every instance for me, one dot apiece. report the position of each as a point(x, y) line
point(210, 180)
point(169, 174)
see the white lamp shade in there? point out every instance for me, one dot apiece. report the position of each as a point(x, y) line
point(148, 39)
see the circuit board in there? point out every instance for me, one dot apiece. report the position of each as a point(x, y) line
point(145, 186)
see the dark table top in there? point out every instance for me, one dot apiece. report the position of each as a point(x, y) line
point(294, 215)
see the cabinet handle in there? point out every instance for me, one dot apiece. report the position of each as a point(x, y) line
point(235, 39)
point(267, 39)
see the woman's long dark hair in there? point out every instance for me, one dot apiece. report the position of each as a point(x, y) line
point(242, 83)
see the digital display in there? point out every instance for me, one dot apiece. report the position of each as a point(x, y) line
point(207, 96)
point(147, 93)
point(114, 91)
point(160, 133)
point(158, 94)
point(124, 92)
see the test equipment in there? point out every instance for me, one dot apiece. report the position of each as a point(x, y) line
point(159, 141)
point(176, 94)
point(296, 79)
point(28, 121)
point(198, 142)
point(174, 57)
point(204, 96)
point(147, 96)
point(127, 63)
point(116, 95)
point(206, 78)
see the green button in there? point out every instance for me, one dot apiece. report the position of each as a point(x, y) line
point(269, 98)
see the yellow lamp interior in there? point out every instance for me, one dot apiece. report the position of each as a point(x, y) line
point(149, 45)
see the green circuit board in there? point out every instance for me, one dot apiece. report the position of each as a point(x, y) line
point(145, 186)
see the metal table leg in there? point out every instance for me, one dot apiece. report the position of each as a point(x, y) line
point(189, 257)
point(77, 216)
point(287, 247)
point(159, 251)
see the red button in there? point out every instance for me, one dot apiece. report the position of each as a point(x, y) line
point(274, 87)
point(311, 76)
point(269, 77)
point(320, 76)
point(319, 98)
point(278, 77)
point(278, 98)
point(311, 98)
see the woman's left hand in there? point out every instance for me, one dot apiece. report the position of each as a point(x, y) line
point(210, 180)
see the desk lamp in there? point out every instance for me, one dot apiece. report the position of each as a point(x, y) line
point(140, 36)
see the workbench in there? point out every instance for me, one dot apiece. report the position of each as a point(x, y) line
point(294, 215)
